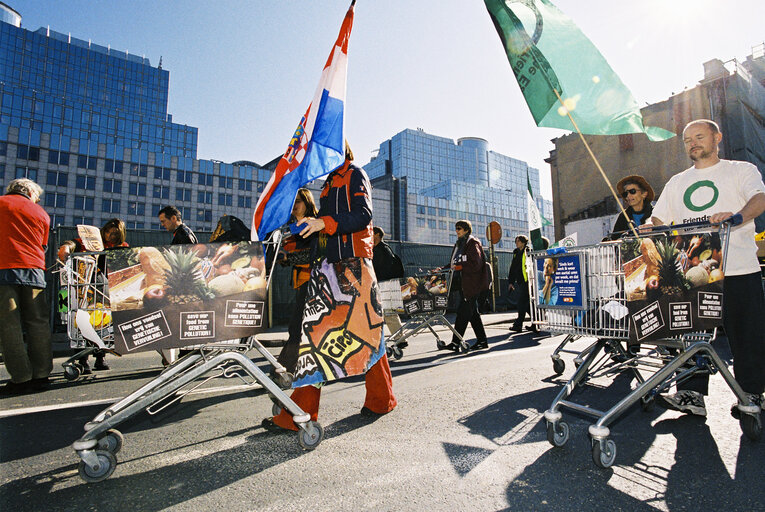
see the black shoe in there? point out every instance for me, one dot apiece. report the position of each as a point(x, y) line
point(454, 347)
point(533, 329)
point(40, 384)
point(516, 328)
point(16, 388)
point(100, 365)
point(480, 345)
point(369, 413)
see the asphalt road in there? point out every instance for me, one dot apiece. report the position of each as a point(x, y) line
point(468, 434)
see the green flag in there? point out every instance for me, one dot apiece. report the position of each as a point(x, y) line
point(534, 218)
point(548, 53)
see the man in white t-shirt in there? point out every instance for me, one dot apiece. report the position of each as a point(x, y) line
point(715, 190)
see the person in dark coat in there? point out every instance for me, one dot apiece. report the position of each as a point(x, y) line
point(383, 260)
point(468, 262)
point(518, 277)
point(637, 194)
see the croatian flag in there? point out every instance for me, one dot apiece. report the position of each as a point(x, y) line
point(318, 145)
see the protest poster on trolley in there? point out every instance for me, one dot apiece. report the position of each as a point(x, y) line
point(181, 295)
point(427, 293)
point(673, 284)
point(559, 282)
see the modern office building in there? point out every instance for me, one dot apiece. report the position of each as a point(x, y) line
point(429, 182)
point(731, 93)
point(90, 124)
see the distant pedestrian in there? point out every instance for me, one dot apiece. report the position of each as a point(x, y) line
point(170, 218)
point(24, 313)
point(386, 264)
point(518, 278)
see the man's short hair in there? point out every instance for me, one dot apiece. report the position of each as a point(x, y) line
point(523, 238)
point(378, 231)
point(24, 186)
point(169, 211)
point(711, 124)
point(464, 224)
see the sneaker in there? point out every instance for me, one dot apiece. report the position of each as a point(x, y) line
point(687, 401)
point(480, 345)
point(754, 399)
point(100, 365)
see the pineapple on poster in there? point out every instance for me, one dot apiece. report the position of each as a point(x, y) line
point(180, 295)
point(673, 284)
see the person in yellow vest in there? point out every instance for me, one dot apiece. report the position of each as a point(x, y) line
point(518, 277)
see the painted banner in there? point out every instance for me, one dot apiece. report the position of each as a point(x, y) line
point(673, 284)
point(181, 295)
point(560, 282)
point(342, 332)
point(426, 293)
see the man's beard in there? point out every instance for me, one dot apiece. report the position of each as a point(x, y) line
point(699, 156)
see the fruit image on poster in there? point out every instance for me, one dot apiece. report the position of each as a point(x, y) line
point(425, 293)
point(342, 331)
point(179, 295)
point(673, 284)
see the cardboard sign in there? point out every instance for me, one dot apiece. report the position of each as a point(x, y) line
point(91, 238)
point(181, 295)
point(668, 298)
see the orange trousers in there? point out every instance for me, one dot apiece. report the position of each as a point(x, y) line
point(379, 385)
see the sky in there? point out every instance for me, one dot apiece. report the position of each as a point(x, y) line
point(243, 72)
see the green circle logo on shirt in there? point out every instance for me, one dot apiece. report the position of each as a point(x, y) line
point(693, 188)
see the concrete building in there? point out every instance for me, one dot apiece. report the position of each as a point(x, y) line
point(731, 93)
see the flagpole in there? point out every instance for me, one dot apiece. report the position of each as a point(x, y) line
point(597, 164)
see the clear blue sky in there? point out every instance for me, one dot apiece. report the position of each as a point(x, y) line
point(245, 71)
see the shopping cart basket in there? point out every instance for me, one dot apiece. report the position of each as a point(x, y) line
point(98, 447)
point(595, 304)
point(424, 299)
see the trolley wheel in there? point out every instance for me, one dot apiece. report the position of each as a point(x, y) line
point(603, 453)
point(558, 366)
point(112, 441)
point(276, 409)
point(557, 433)
point(71, 372)
point(106, 464)
point(751, 425)
point(284, 380)
point(647, 403)
point(310, 437)
point(464, 347)
point(389, 352)
point(397, 352)
point(440, 344)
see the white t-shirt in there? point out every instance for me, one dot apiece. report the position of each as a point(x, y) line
point(696, 194)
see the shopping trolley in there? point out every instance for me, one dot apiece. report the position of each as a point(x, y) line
point(98, 447)
point(85, 309)
point(424, 299)
point(601, 312)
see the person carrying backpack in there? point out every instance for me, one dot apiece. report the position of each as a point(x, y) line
point(386, 264)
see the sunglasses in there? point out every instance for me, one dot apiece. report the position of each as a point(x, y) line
point(630, 192)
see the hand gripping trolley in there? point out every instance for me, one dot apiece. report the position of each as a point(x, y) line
point(424, 298)
point(656, 364)
point(98, 447)
point(86, 311)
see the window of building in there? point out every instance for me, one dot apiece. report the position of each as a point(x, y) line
point(421, 210)
point(420, 222)
point(58, 179)
point(140, 170)
point(81, 219)
point(432, 223)
point(225, 199)
point(55, 200)
point(161, 192)
point(204, 215)
point(3, 148)
point(206, 180)
point(136, 208)
point(225, 182)
point(244, 202)
point(182, 194)
point(86, 182)
point(245, 185)
point(162, 173)
point(56, 219)
point(132, 224)
point(137, 189)
point(185, 176)
point(110, 206)
point(84, 203)
point(26, 172)
point(113, 186)
point(204, 197)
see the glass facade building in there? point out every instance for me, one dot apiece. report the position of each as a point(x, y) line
point(90, 124)
point(430, 182)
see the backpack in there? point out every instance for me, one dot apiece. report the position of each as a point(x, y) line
point(398, 266)
point(230, 229)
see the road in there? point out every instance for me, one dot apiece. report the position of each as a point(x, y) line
point(468, 434)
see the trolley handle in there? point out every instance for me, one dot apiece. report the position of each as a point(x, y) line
point(733, 220)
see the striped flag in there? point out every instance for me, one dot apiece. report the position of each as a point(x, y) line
point(317, 146)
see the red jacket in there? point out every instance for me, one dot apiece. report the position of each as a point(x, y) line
point(24, 228)
point(346, 209)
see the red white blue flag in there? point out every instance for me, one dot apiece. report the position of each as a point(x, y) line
point(317, 146)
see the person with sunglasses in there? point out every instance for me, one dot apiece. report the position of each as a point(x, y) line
point(637, 194)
